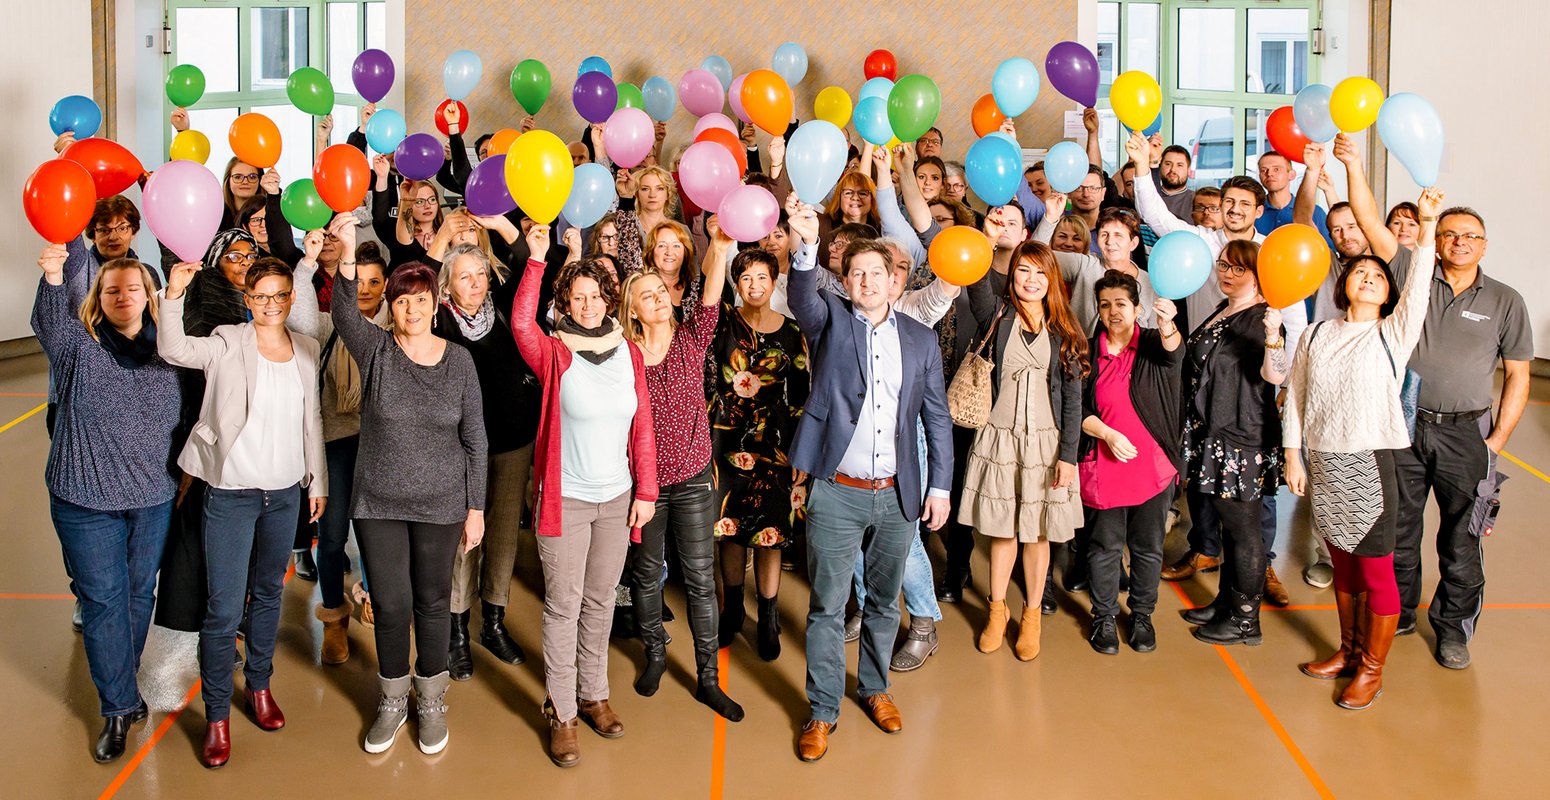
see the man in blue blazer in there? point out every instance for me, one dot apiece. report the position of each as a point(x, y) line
point(874, 374)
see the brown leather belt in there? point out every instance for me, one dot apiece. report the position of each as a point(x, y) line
point(870, 484)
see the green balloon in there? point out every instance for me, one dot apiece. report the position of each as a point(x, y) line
point(630, 97)
point(303, 208)
point(912, 106)
point(185, 85)
point(310, 91)
point(530, 84)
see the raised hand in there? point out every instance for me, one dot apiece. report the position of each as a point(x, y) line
point(1054, 204)
point(1430, 202)
point(182, 275)
point(1345, 150)
point(777, 151)
point(65, 140)
point(180, 119)
point(453, 118)
point(528, 123)
point(380, 166)
point(538, 242)
point(572, 241)
point(1090, 120)
point(270, 183)
point(1139, 150)
point(52, 261)
point(312, 245)
point(718, 237)
point(343, 228)
point(366, 112)
point(625, 183)
point(1165, 310)
point(803, 219)
point(1272, 324)
point(1313, 156)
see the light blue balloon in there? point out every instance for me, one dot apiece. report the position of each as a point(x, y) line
point(1015, 86)
point(720, 67)
point(1155, 127)
point(1311, 110)
point(871, 120)
point(1008, 137)
point(594, 64)
point(790, 62)
point(385, 130)
point(660, 96)
point(461, 74)
point(1179, 264)
point(1065, 167)
point(993, 168)
point(78, 114)
point(1412, 131)
point(591, 193)
point(815, 159)
point(876, 87)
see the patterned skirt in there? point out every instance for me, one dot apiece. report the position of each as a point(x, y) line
point(1355, 500)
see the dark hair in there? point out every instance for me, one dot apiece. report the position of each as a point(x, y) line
point(411, 278)
point(1242, 253)
point(1095, 169)
point(962, 214)
point(1460, 211)
point(369, 253)
point(481, 140)
point(266, 267)
point(1121, 216)
point(938, 135)
point(1114, 279)
point(116, 206)
point(250, 209)
point(1340, 206)
point(855, 230)
point(1208, 191)
point(1247, 184)
point(1343, 302)
point(1277, 154)
point(748, 259)
point(1407, 208)
point(760, 179)
point(607, 283)
point(1037, 166)
point(932, 161)
point(1057, 308)
point(1180, 149)
point(860, 247)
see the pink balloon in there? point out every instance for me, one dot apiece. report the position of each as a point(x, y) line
point(735, 97)
point(183, 205)
point(629, 136)
point(711, 120)
point(707, 173)
point(700, 92)
point(748, 213)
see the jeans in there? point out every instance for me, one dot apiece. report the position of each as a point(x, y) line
point(247, 541)
point(1205, 530)
point(919, 593)
point(114, 557)
point(413, 565)
point(688, 507)
point(1142, 527)
point(334, 527)
point(844, 524)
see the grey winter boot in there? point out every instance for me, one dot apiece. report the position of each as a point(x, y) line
point(392, 712)
point(431, 711)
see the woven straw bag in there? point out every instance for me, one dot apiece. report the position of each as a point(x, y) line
point(968, 399)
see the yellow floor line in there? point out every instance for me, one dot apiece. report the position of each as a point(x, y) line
point(23, 418)
point(1510, 457)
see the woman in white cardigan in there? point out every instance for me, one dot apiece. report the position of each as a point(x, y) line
point(258, 442)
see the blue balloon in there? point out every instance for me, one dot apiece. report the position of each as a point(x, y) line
point(1412, 131)
point(871, 120)
point(591, 193)
point(993, 168)
point(461, 74)
point(876, 87)
point(1179, 264)
point(1065, 167)
point(1155, 127)
point(1311, 111)
point(815, 159)
point(660, 96)
point(594, 64)
point(386, 130)
point(720, 67)
point(1015, 86)
point(77, 114)
point(790, 63)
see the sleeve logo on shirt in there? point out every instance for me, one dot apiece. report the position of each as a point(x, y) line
point(1473, 317)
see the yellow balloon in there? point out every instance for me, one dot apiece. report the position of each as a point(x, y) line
point(1136, 99)
point(1353, 105)
point(190, 146)
point(833, 105)
point(539, 174)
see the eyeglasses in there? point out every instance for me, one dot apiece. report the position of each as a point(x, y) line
point(265, 299)
point(120, 229)
point(608, 238)
point(236, 178)
point(1208, 209)
point(839, 244)
point(855, 194)
point(329, 237)
point(1231, 269)
point(928, 140)
point(1467, 238)
point(258, 222)
point(239, 258)
point(421, 202)
point(1088, 190)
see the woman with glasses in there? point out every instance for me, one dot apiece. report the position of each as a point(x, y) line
point(405, 216)
point(242, 184)
point(853, 202)
point(1119, 235)
point(266, 222)
point(605, 236)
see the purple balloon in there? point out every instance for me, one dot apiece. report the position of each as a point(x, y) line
point(594, 96)
point(700, 92)
point(486, 193)
point(1073, 71)
point(372, 75)
point(419, 156)
point(182, 202)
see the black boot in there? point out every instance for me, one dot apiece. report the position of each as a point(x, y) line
point(1048, 604)
point(708, 690)
point(651, 678)
point(495, 638)
point(306, 568)
point(111, 742)
point(732, 614)
point(1240, 627)
point(460, 662)
point(1211, 612)
point(1076, 568)
point(769, 629)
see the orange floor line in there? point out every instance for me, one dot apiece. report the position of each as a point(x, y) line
point(5, 596)
point(23, 418)
point(718, 740)
point(23, 394)
point(145, 749)
point(1331, 607)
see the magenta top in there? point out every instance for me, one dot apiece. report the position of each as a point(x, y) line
point(1106, 481)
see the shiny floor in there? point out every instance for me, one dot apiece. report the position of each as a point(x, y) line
point(1186, 721)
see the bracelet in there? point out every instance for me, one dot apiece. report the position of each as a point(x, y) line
point(344, 263)
point(1277, 344)
point(1425, 218)
point(1170, 332)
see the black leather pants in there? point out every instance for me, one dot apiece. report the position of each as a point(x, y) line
point(688, 508)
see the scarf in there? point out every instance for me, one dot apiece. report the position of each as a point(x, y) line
point(474, 326)
point(212, 300)
point(594, 344)
point(348, 387)
point(129, 353)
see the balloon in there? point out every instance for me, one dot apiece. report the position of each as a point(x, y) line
point(185, 85)
point(539, 174)
point(960, 255)
point(255, 139)
point(790, 63)
point(986, 116)
point(1293, 262)
point(1284, 135)
point(872, 120)
point(880, 64)
point(628, 137)
point(701, 92)
point(1180, 263)
point(59, 199)
point(913, 106)
point(1155, 127)
point(501, 140)
point(112, 167)
point(1311, 109)
point(833, 106)
point(189, 146)
point(342, 177)
point(591, 194)
point(419, 157)
point(748, 213)
point(767, 99)
point(594, 96)
point(628, 97)
point(707, 173)
point(386, 129)
point(372, 75)
point(1136, 99)
point(303, 207)
point(1015, 86)
point(875, 87)
point(77, 114)
point(1073, 71)
point(594, 64)
point(183, 207)
point(1065, 166)
point(993, 167)
point(815, 159)
point(461, 74)
point(660, 98)
point(729, 141)
point(720, 67)
point(712, 120)
point(441, 119)
point(530, 85)
point(735, 99)
point(1412, 131)
point(1353, 105)
point(486, 193)
point(310, 90)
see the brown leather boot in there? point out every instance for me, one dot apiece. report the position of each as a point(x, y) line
point(1187, 566)
point(564, 745)
point(1368, 683)
point(994, 634)
point(1275, 591)
point(601, 718)
point(1346, 659)
point(336, 632)
point(1028, 630)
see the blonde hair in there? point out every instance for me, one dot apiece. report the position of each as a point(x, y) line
point(1079, 227)
point(672, 207)
point(690, 269)
point(633, 330)
point(91, 308)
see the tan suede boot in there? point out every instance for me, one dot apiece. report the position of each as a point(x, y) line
point(994, 634)
point(1028, 630)
point(336, 632)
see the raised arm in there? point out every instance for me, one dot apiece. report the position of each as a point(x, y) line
point(1308, 190)
point(1276, 365)
point(1094, 148)
point(174, 346)
point(384, 197)
point(1363, 205)
point(1403, 327)
point(305, 316)
point(1149, 204)
point(360, 336)
point(811, 312)
point(531, 342)
point(713, 267)
point(53, 313)
point(895, 226)
point(909, 191)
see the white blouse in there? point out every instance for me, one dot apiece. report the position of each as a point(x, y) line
point(268, 452)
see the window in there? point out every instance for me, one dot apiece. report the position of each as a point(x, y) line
point(1129, 38)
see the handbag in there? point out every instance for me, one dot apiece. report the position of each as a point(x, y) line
point(968, 398)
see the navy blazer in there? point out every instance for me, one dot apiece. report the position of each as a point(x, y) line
point(837, 344)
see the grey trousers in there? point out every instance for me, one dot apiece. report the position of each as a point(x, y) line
point(485, 572)
point(581, 568)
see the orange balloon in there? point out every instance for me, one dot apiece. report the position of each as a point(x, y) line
point(767, 99)
point(342, 177)
point(987, 116)
point(960, 255)
point(501, 141)
point(255, 140)
point(726, 139)
point(1293, 262)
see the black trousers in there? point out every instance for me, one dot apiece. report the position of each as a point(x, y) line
point(410, 564)
point(688, 509)
point(1243, 546)
point(1141, 528)
point(956, 537)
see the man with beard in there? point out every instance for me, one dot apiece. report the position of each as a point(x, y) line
point(1172, 182)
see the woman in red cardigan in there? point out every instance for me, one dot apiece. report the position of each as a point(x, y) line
point(595, 473)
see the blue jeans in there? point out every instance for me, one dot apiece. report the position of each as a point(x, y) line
point(919, 591)
point(334, 527)
point(844, 524)
point(247, 538)
point(113, 558)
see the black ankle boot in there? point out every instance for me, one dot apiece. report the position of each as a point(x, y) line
point(306, 567)
point(1241, 626)
point(111, 742)
point(460, 662)
point(709, 692)
point(651, 677)
point(769, 629)
point(732, 614)
point(1048, 605)
point(495, 638)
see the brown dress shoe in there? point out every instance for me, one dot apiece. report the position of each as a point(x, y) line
point(1275, 591)
point(217, 748)
point(564, 746)
point(814, 740)
point(601, 717)
point(881, 709)
point(1189, 565)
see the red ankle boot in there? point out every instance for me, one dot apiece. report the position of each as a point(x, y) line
point(265, 711)
point(217, 749)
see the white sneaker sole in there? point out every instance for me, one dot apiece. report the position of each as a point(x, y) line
point(387, 744)
point(433, 749)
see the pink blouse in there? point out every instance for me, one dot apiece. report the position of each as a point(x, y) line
point(1106, 481)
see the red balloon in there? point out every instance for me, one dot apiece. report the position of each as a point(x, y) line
point(726, 139)
point(1284, 135)
point(342, 177)
point(881, 64)
point(59, 198)
point(462, 117)
point(112, 167)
